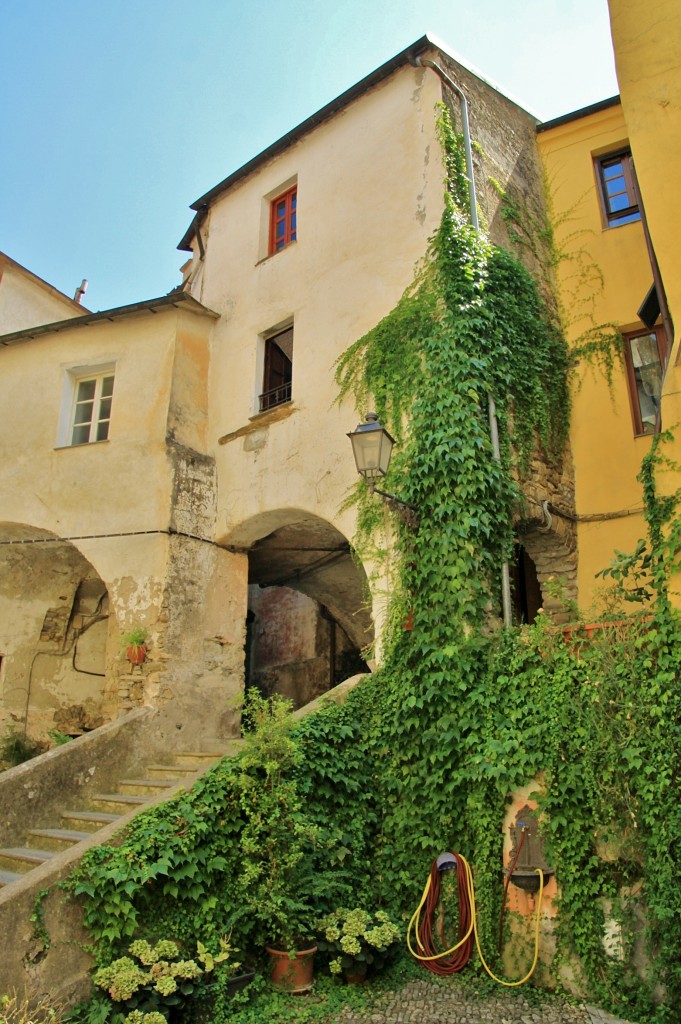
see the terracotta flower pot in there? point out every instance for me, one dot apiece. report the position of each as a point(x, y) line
point(136, 653)
point(292, 973)
point(357, 974)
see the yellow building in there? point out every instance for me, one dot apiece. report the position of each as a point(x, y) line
point(603, 275)
point(609, 170)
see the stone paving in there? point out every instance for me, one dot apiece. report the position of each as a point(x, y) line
point(428, 1001)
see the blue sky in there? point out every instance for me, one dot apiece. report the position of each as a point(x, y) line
point(117, 114)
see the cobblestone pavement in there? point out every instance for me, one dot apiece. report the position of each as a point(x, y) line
point(428, 1002)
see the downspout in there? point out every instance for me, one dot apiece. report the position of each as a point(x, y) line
point(198, 221)
point(493, 422)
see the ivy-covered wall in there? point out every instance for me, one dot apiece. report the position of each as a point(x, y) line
point(354, 804)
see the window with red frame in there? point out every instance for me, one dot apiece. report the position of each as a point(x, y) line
point(283, 220)
point(645, 352)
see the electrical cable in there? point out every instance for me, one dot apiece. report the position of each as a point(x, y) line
point(445, 962)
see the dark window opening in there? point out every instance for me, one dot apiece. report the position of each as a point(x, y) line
point(278, 375)
point(527, 599)
point(619, 194)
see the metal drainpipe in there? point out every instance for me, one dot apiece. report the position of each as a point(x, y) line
point(492, 411)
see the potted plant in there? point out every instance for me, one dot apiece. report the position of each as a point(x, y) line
point(358, 942)
point(153, 981)
point(276, 879)
point(134, 643)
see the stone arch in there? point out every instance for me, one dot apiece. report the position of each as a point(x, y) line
point(309, 618)
point(54, 631)
point(552, 546)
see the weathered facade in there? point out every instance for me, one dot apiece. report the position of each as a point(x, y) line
point(188, 447)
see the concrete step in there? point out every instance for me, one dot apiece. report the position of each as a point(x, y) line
point(95, 819)
point(172, 771)
point(58, 838)
point(197, 759)
point(23, 858)
point(145, 787)
point(106, 808)
point(121, 802)
point(7, 877)
point(219, 747)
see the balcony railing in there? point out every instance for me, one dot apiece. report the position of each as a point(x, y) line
point(275, 396)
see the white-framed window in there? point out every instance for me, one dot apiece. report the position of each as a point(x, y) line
point(86, 406)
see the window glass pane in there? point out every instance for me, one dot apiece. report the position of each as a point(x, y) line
point(619, 202)
point(615, 185)
point(105, 409)
point(86, 390)
point(107, 387)
point(83, 413)
point(612, 170)
point(626, 218)
point(103, 431)
point(81, 435)
point(645, 358)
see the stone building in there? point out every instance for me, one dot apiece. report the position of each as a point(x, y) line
point(183, 452)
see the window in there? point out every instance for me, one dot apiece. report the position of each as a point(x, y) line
point(617, 183)
point(644, 356)
point(278, 375)
point(92, 408)
point(283, 220)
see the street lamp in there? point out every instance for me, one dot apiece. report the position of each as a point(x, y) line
point(372, 447)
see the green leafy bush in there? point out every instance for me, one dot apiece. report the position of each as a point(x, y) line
point(356, 940)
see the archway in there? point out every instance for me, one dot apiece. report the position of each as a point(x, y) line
point(54, 611)
point(550, 552)
point(308, 619)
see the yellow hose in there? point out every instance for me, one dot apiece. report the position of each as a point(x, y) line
point(414, 923)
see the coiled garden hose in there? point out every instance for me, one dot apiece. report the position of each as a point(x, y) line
point(450, 961)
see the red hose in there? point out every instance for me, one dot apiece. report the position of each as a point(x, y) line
point(459, 958)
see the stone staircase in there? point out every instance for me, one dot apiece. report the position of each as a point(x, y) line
point(75, 825)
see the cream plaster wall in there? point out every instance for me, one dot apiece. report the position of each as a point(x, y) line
point(81, 490)
point(26, 300)
point(603, 277)
point(115, 502)
point(369, 196)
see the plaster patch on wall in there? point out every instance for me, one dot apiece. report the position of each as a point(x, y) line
point(254, 442)
point(132, 598)
point(193, 500)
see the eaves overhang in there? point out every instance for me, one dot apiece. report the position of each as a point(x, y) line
point(576, 115)
point(174, 300)
point(406, 56)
